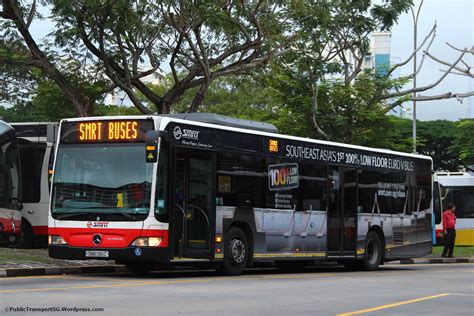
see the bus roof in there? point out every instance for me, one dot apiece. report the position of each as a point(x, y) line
point(36, 131)
point(462, 180)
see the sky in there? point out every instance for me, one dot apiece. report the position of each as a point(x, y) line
point(455, 20)
point(455, 24)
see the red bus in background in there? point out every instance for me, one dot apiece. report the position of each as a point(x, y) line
point(10, 186)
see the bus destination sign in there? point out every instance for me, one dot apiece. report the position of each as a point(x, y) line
point(110, 131)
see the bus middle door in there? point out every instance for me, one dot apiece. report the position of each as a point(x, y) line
point(193, 203)
point(342, 212)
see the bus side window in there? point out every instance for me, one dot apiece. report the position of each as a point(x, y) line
point(313, 186)
point(161, 190)
point(51, 167)
point(31, 156)
point(239, 180)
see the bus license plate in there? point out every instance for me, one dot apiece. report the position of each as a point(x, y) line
point(97, 254)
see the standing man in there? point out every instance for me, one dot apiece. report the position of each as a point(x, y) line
point(449, 226)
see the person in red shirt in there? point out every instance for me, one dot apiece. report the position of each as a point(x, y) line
point(449, 226)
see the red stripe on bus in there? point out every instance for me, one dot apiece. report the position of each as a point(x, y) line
point(40, 230)
point(111, 237)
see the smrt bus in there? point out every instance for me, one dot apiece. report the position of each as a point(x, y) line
point(36, 141)
point(10, 186)
point(200, 187)
point(458, 189)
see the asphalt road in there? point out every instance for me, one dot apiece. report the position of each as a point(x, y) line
point(434, 289)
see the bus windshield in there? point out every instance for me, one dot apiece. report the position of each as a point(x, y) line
point(463, 198)
point(109, 181)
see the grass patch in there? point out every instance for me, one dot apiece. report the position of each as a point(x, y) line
point(13, 255)
point(460, 251)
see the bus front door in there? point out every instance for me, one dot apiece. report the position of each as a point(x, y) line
point(193, 203)
point(342, 212)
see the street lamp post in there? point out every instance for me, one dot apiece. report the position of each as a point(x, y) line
point(415, 32)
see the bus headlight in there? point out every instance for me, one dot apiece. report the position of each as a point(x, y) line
point(147, 242)
point(56, 240)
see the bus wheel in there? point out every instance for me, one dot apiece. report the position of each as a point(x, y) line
point(236, 252)
point(26, 240)
point(373, 252)
point(138, 267)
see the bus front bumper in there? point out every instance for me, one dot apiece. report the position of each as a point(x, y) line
point(129, 254)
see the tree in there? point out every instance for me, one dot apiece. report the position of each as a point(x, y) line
point(48, 104)
point(463, 143)
point(436, 141)
point(331, 35)
point(200, 41)
point(20, 49)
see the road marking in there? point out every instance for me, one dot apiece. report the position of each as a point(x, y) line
point(373, 309)
point(100, 286)
point(33, 277)
point(72, 277)
point(270, 277)
point(144, 283)
point(426, 265)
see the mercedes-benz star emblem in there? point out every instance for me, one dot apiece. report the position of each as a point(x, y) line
point(97, 239)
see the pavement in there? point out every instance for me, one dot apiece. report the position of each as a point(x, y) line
point(60, 267)
point(419, 289)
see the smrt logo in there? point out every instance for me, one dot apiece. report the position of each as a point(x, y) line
point(97, 224)
point(177, 133)
point(185, 133)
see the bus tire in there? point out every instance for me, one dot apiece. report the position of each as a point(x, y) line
point(236, 252)
point(27, 236)
point(138, 267)
point(373, 252)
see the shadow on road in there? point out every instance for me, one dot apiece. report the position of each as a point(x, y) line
point(190, 272)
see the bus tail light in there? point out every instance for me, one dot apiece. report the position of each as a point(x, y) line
point(56, 240)
point(147, 242)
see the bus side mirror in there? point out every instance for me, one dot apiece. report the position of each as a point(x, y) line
point(151, 142)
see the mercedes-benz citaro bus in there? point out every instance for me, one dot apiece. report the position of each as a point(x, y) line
point(36, 141)
point(10, 186)
point(200, 187)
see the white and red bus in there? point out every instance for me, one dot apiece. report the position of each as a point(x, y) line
point(458, 188)
point(36, 141)
point(205, 188)
point(10, 186)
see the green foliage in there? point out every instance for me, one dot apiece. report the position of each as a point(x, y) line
point(48, 104)
point(434, 139)
point(438, 137)
point(463, 143)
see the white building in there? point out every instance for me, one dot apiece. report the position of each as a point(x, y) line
point(120, 98)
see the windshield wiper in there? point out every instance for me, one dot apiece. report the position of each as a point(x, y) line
point(125, 214)
point(69, 215)
point(117, 212)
